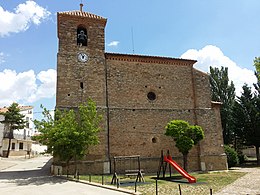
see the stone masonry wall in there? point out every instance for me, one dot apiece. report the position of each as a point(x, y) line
point(137, 124)
point(212, 156)
point(129, 83)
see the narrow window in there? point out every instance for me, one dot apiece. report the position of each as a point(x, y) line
point(27, 122)
point(81, 85)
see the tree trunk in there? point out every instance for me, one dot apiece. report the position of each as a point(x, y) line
point(185, 162)
point(10, 136)
point(76, 167)
point(257, 155)
point(67, 165)
point(9, 146)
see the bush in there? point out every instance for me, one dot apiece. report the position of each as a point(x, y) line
point(242, 158)
point(232, 156)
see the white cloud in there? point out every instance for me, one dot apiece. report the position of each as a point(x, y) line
point(23, 16)
point(213, 56)
point(113, 44)
point(2, 60)
point(23, 88)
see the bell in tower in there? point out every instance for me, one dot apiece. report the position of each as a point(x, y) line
point(82, 38)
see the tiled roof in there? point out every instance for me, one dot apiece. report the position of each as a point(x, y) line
point(81, 14)
point(25, 107)
point(3, 110)
point(22, 108)
point(148, 59)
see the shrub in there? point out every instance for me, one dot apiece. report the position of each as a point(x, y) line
point(232, 156)
point(242, 158)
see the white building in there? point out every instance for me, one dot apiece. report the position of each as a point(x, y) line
point(22, 143)
point(1, 134)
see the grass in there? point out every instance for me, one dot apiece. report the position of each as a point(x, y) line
point(205, 182)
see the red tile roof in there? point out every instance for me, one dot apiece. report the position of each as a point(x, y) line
point(148, 59)
point(22, 108)
point(3, 110)
point(81, 14)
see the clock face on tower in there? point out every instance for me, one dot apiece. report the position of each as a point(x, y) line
point(82, 57)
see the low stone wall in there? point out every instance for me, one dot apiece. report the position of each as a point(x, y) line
point(214, 162)
point(85, 167)
point(148, 165)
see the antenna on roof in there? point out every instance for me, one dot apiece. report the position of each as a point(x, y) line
point(133, 46)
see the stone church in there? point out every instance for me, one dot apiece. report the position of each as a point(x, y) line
point(137, 96)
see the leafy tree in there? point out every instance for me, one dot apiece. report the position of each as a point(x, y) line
point(246, 118)
point(13, 120)
point(71, 133)
point(185, 137)
point(223, 91)
point(257, 65)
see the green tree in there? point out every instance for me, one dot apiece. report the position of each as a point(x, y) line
point(13, 120)
point(71, 134)
point(257, 65)
point(223, 91)
point(185, 137)
point(246, 118)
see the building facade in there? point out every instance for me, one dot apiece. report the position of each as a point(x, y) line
point(137, 96)
point(21, 144)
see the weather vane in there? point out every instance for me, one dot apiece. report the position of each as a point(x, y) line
point(81, 6)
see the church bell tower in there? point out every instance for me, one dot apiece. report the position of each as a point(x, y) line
point(81, 70)
point(81, 59)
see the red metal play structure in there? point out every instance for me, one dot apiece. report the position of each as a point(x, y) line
point(167, 159)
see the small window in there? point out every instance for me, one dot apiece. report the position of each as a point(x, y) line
point(20, 146)
point(151, 96)
point(81, 85)
point(154, 140)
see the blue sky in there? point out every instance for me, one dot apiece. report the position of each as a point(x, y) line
point(216, 33)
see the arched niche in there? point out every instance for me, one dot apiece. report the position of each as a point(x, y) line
point(82, 36)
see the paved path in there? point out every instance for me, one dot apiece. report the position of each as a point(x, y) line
point(31, 176)
point(246, 185)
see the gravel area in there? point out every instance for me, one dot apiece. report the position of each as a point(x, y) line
point(246, 185)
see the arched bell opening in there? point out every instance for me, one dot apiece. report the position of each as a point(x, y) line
point(82, 36)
